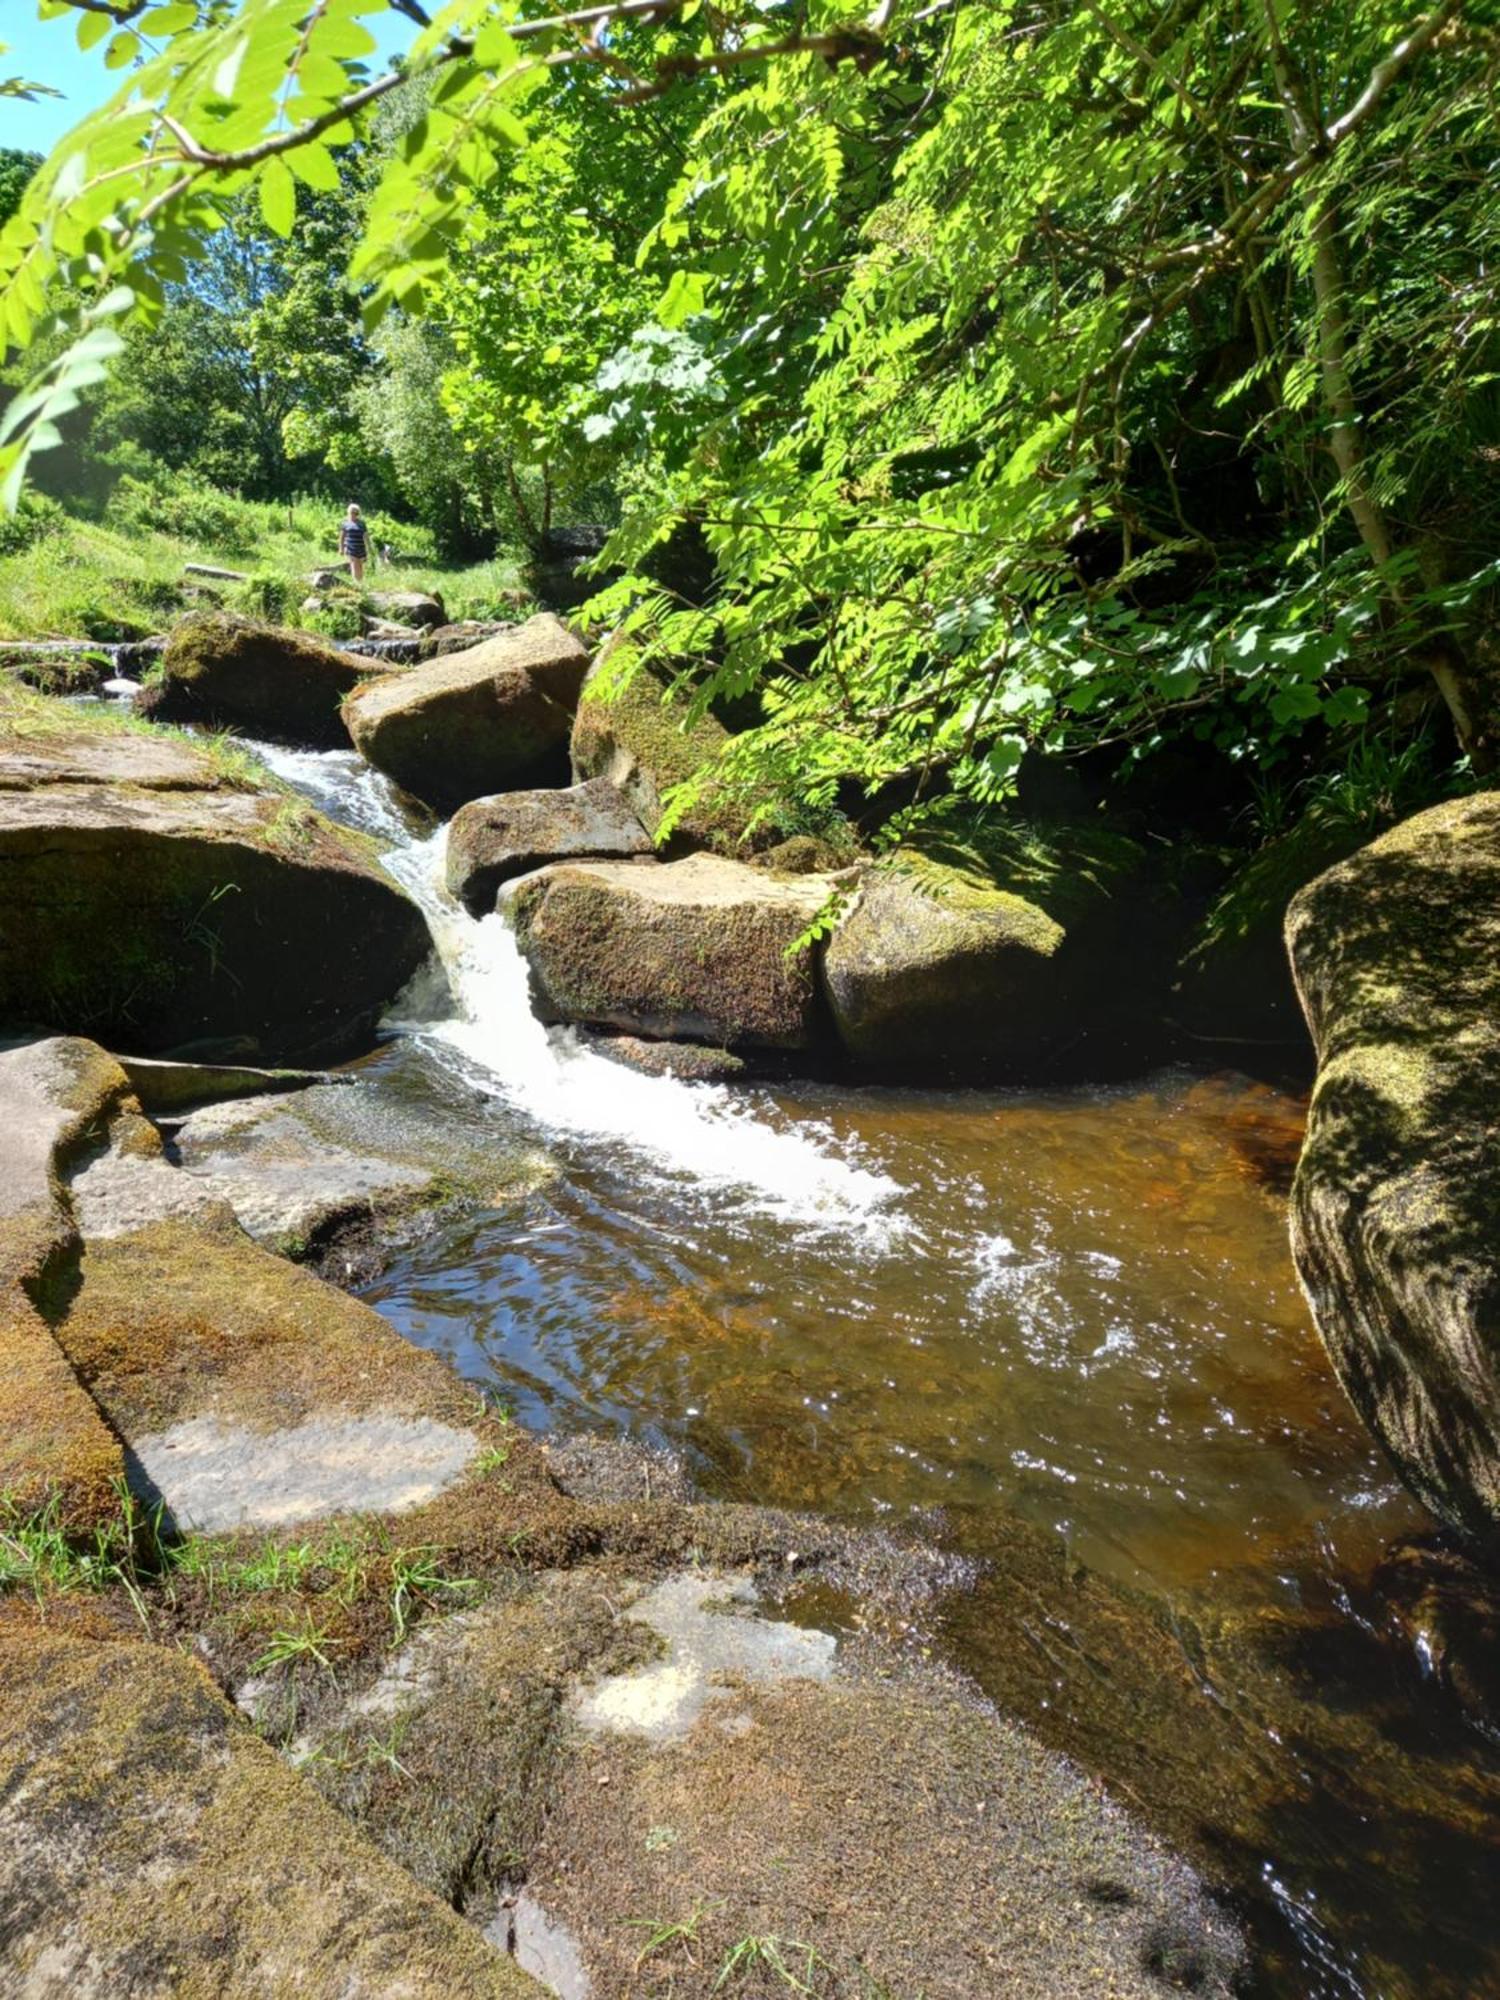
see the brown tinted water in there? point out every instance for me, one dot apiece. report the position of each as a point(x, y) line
point(1078, 1354)
point(1057, 1332)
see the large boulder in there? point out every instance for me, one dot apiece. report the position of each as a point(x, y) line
point(635, 733)
point(492, 840)
point(235, 673)
point(693, 950)
point(495, 718)
point(155, 895)
point(1397, 958)
point(1018, 953)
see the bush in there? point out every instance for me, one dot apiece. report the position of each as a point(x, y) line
point(335, 621)
point(267, 596)
point(172, 503)
point(34, 518)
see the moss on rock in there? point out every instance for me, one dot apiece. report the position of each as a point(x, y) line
point(994, 954)
point(1397, 958)
point(644, 739)
point(240, 673)
point(55, 1451)
point(151, 1844)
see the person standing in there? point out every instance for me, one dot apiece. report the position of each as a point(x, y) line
point(354, 542)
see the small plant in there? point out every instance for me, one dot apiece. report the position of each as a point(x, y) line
point(417, 1581)
point(663, 1936)
point(288, 1648)
point(770, 1954)
point(384, 1749)
point(40, 1554)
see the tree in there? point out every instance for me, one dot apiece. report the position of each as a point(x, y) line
point(257, 334)
point(17, 170)
point(1042, 373)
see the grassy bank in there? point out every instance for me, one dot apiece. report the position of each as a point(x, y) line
point(118, 574)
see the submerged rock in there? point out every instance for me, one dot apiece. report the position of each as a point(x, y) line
point(154, 894)
point(233, 672)
point(691, 950)
point(1397, 958)
point(493, 718)
point(151, 1844)
point(998, 956)
point(492, 840)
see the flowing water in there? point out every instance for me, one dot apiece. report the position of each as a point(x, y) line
point(1057, 1332)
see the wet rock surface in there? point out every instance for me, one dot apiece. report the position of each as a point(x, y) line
point(1397, 958)
point(691, 950)
point(492, 840)
point(229, 671)
point(152, 895)
point(493, 718)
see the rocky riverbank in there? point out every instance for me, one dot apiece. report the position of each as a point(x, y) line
point(529, 1713)
point(541, 1709)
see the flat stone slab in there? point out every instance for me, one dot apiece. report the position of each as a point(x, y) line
point(247, 1391)
point(712, 1638)
point(215, 1476)
point(151, 1844)
point(54, 1447)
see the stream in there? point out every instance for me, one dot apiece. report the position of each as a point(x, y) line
point(1057, 1333)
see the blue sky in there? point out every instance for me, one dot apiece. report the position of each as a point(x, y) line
point(48, 52)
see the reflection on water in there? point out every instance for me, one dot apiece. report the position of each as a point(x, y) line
point(1058, 1331)
point(1084, 1359)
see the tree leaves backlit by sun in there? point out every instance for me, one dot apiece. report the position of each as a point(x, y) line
point(1034, 373)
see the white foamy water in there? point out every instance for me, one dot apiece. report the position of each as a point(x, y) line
point(691, 1132)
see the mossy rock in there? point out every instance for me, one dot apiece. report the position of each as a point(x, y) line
point(644, 741)
point(238, 673)
point(1397, 958)
point(248, 1390)
point(154, 895)
point(696, 950)
point(1013, 951)
point(494, 718)
point(150, 1843)
point(55, 1452)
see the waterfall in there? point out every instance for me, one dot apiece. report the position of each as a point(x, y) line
point(724, 1140)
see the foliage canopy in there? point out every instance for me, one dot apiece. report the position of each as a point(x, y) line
point(1078, 374)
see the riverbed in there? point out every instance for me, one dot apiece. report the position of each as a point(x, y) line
point(1056, 1332)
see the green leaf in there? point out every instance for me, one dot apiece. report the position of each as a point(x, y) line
point(278, 198)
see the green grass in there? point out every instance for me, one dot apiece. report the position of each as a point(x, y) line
point(121, 576)
point(38, 1555)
